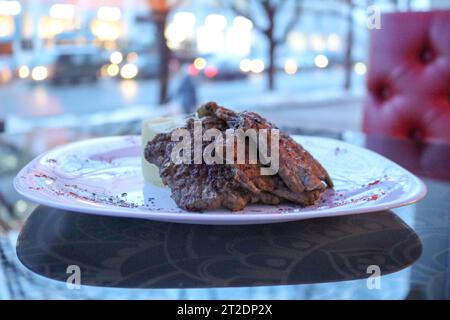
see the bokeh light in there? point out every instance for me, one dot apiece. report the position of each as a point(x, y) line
point(39, 73)
point(360, 68)
point(199, 63)
point(257, 66)
point(129, 71)
point(211, 71)
point(132, 57)
point(321, 61)
point(116, 57)
point(112, 70)
point(24, 72)
point(290, 66)
point(245, 65)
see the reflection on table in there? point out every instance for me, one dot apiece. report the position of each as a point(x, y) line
point(132, 253)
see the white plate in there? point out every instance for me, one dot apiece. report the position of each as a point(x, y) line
point(103, 176)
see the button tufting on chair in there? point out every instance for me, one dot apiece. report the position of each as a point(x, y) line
point(426, 55)
point(409, 77)
point(415, 133)
point(383, 92)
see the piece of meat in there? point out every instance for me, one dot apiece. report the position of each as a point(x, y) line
point(195, 187)
point(298, 168)
point(198, 187)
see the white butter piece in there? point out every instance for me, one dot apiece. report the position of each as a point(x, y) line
point(150, 128)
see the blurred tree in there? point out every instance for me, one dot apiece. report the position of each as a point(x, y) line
point(348, 15)
point(349, 44)
point(343, 9)
point(270, 9)
point(160, 10)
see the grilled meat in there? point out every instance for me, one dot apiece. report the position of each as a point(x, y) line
point(198, 187)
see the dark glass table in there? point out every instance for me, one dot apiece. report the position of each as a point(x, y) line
point(327, 258)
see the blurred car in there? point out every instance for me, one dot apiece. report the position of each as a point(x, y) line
point(291, 64)
point(148, 67)
point(142, 66)
point(72, 65)
point(131, 65)
point(38, 69)
point(76, 67)
point(220, 67)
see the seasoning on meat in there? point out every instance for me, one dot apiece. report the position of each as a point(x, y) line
point(198, 187)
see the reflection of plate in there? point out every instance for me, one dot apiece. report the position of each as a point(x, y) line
point(134, 253)
point(103, 176)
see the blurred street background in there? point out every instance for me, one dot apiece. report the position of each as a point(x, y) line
point(63, 63)
point(78, 69)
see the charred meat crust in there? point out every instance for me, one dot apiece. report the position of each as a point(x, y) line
point(198, 187)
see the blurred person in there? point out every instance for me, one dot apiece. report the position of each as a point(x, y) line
point(187, 92)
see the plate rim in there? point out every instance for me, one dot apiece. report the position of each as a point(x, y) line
point(208, 218)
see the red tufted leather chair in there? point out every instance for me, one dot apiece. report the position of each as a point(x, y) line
point(409, 77)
